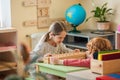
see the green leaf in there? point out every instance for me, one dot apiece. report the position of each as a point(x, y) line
point(101, 12)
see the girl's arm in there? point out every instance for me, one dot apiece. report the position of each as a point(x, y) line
point(38, 52)
point(67, 50)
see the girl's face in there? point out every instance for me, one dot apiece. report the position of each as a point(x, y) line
point(59, 38)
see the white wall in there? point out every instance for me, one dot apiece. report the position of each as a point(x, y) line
point(20, 14)
point(115, 4)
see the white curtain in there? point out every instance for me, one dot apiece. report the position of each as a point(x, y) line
point(5, 13)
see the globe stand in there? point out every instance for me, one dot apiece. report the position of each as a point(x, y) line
point(74, 29)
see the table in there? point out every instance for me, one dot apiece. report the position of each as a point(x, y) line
point(82, 75)
point(58, 70)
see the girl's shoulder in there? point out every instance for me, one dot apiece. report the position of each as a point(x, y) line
point(45, 44)
point(40, 46)
point(62, 44)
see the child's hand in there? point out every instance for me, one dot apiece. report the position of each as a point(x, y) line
point(54, 60)
point(76, 50)
point(48, 55)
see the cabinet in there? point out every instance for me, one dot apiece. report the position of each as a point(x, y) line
point(8, 43)
point(79, 40)
point(117, 40)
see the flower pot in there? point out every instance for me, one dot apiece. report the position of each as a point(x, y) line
point(103, 26)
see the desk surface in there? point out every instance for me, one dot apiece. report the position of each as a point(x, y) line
point(82, 75)
point(58, 70)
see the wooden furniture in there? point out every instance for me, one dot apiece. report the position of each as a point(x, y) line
point(105, 67)
point(79, 40)
point(117, 39)
point(58, 70)
point(8, 48)
point(82, 75)
point(77, 55)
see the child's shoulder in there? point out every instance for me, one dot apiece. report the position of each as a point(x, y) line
point(45, 44)
point(42, 45)
point(88, 54)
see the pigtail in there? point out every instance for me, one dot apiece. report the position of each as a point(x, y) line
point(44, 38)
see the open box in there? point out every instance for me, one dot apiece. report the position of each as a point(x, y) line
point(105, 67)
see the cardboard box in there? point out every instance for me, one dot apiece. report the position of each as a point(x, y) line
point(105, 67)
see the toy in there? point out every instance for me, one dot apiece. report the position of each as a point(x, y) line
point(80, 55)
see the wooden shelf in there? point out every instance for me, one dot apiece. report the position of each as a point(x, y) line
point(79, 40)
point(117, 40)
point(5, 30)
point(76, 45)
point(7, 48)
point(7, 65)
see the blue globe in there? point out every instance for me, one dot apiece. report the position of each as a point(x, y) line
point(75, 15)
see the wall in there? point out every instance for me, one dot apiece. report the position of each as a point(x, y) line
point(112, 4)
point(57, 9)
point(21, 14)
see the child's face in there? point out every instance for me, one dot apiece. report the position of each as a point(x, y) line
point(59, 38)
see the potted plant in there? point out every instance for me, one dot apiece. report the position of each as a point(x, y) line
point(102, 14)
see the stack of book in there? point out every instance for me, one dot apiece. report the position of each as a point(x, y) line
point(115, 76)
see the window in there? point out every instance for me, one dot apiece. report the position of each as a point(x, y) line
point(5, 13)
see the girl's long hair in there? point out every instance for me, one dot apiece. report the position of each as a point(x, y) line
point(56, 28)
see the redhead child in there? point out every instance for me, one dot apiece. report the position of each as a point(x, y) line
point(94, 45)
point(51, 42)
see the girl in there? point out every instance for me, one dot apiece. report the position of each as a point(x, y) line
point(94, 45)
point(51, 42)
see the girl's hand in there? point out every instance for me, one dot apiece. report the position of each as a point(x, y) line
point(48, 55)
point(54, 60)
